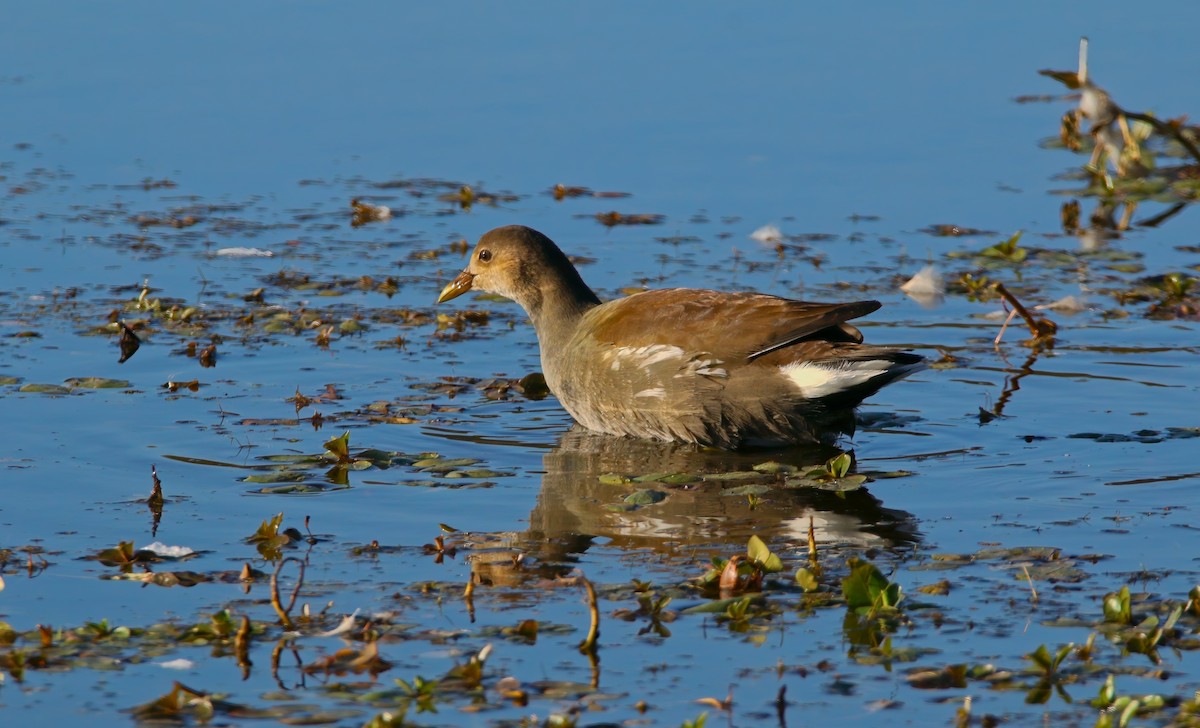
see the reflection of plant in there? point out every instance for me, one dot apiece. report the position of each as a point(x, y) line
point(652, 607)
point(1047, 666)
point(867, 590)
point(424, 694)
point(1124, 141)
point(833, 474)
point(1176, 288)
point(1009, 250)
point(871, 608)
point(270, 538)
point(1145, 637)
point(979, 288)
point(740, 574)
point(737, 614)
point(1171, 296)
point(1116, 607)
point(1118, 710)
point(421, 692)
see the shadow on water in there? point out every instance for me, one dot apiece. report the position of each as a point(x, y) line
point(678, 500)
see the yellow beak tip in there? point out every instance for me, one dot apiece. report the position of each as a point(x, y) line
point(455, 288)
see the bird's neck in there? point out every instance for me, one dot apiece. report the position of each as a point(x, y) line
point(556, 310)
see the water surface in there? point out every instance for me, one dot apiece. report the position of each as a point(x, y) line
point(853, 130)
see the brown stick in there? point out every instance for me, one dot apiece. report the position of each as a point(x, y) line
point(275, 601)
point(241, 647)
point(589, 643)
point(1164, 128)
point(1041, 328)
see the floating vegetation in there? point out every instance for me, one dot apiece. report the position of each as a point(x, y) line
point(562, 192)
point(614, 218)
point(363, 213)
point(990, 553)
point(1134, 158)
point(330, 470)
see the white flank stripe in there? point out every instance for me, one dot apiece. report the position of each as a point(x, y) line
point(815, 381)
point(659, 353)
point(645, 356)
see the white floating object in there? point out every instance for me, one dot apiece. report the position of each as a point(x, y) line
point(343, 627)
point(767, 234)
point(926, 287)
point(998, 315)
point(927, 281)
point(245, 253)
point(179, 664)
point(168, 552)
point(1066, 304)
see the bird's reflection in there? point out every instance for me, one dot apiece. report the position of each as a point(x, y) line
point(579, 505)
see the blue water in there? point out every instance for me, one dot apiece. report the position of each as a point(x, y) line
point(723, 119)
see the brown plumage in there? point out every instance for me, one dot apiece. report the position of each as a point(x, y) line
point(690, 365)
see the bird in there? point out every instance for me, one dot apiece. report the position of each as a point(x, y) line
point(728, 370)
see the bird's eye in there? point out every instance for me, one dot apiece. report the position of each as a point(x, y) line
point(485, 256)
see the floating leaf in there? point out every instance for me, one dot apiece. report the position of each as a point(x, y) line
point(338, 448)
point(758, 553)
point(44, 388)
point(773, 467)
point(1116, 607)
point(128, 343)
point(939, 588)
point(839, 465)
point(276, 476)
point(866, 588)
point(1009, 250)
point(751, 489)
point(644, 497)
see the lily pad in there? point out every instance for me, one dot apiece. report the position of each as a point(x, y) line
point(773, 467)
point(837, 485)
point(97, 383)
point(44, 388)
point(750, 489)
point(644, 497)
point(276, 476)
point(734, 475)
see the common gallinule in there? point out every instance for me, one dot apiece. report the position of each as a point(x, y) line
point(685, 364)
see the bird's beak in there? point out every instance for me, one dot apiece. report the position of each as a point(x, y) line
point(455, 288)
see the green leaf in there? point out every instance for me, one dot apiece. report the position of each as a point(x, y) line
point(1009, 250)
point(865, 587)
point(645, 497)
point(757, 552)
point(750, 489)
point(773, 467)
point(339, 447)
point(806, 579)
point(44, 388)
point(719, 606)
point(1176, 613)
point(276, 476)
point(1108, 693)
point(1116, 607)
point(839, 465)
point(96, 383)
